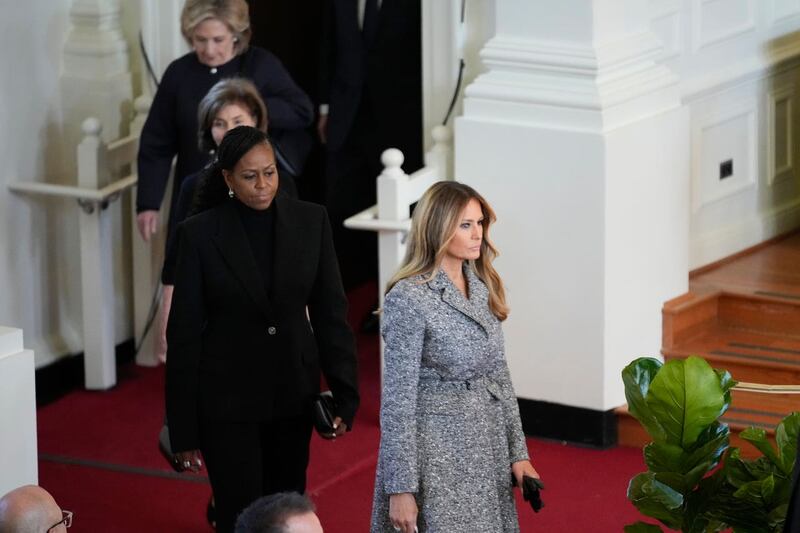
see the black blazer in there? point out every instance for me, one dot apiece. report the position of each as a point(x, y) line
point(387, 74)
point(234, 353)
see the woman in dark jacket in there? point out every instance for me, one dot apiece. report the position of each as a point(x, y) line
point(219, 33)
point(258, 311)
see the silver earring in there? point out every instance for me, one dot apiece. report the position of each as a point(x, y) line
point(230, 193)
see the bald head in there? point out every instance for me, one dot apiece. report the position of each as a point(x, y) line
point(28, 509)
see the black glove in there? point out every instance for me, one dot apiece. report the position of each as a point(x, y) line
point(530, 492)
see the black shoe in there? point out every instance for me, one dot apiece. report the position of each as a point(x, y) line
point(166, 452)
point(211, 513)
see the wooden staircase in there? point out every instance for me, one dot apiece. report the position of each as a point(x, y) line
point(742, 315)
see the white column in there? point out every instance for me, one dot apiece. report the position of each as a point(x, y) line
point(163, 41)
point(18, 449)
point(97, 284)
point(578, 138)
point(96, 80)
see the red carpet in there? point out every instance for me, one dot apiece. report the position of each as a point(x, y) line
point(98, 457)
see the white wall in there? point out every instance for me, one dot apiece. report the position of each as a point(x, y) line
point(738, 63)
point(18, 457)
point(38, 272)
point(39, 261)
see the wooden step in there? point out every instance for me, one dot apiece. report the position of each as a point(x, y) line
point(742, 314)
point(692, 315)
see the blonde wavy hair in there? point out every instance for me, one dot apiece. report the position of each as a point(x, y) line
point(235, 14)
point(433, 226)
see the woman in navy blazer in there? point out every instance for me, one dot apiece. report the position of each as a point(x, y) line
point(258, 312)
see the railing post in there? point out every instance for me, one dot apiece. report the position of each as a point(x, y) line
point(145, 270)
point(440, 155)
point(97, 285)
point(392, 205)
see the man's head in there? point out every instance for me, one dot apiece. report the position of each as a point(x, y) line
point(285, 512)
point(30, 509)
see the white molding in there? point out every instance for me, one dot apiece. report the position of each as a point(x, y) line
point(700, 41)
point(701, 195)
point(774, 20)
point(673, 47)
point(774, 173)
point(573, 87)
point(758, 66)
point(713, 246)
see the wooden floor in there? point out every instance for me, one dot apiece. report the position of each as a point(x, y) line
point(741, 314)
point(772, 269)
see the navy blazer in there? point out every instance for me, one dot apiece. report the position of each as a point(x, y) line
point(234, 353)
point(387, 75)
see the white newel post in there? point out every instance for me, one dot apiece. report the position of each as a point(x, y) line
point(391, 206)
point(577, 136)
point(18, 449)
point(97, 283)
point(146, 262)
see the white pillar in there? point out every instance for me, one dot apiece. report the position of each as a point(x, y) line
point(97, 283)
point(578, 138)
point(163, 41)
point(96, 81)
point(18, 449)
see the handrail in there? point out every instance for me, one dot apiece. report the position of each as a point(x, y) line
point(767, 389)
point(368, 220)
point(88, 199)
point(71, 191)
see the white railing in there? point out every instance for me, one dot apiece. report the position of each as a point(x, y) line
point(97, 161)
point(397, 191)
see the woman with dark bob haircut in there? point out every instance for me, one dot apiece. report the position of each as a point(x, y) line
point(258, 313)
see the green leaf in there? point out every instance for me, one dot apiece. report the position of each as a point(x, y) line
point(758, 438)
point(685, 397)
point(656, 499)
point(637, 377)
point(786, 438)
point(642, 527)
point(663, 457)
point(709, 447)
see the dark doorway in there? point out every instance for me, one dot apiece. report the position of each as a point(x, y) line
point(291, 29)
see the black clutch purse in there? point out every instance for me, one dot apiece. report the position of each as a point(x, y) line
point(324, 412)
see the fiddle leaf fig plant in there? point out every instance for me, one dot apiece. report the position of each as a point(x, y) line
point(679, 404)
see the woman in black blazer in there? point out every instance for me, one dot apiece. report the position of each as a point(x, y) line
point(258, 310)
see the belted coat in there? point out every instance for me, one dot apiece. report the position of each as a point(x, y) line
point(450, 425)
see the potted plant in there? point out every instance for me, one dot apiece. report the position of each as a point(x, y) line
point(695, 482)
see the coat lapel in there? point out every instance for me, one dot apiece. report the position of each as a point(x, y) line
point(288, 247)
point(235, 249)
point(475, 307)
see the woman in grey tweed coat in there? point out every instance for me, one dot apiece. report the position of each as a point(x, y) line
point(451, 437)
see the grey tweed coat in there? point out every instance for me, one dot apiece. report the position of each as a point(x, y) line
point(450, 425)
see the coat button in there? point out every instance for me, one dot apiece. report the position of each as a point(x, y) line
point(272, 330)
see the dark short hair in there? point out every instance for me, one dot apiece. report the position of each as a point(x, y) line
point(211, 188)
point(269, 514)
